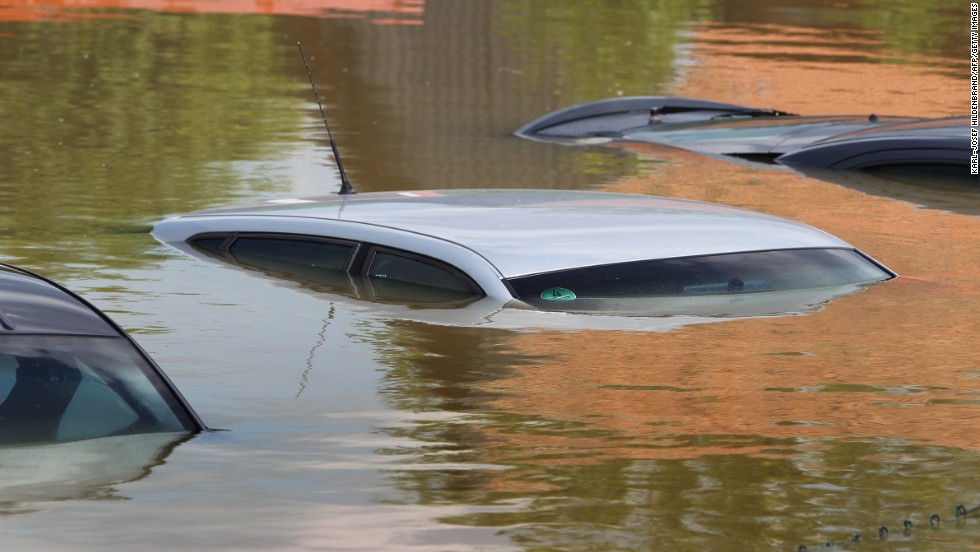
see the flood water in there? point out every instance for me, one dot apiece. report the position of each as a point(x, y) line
point(346, 429)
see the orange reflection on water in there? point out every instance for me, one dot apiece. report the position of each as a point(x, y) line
point(898, 360)
point(816, 72)
point(393, 11)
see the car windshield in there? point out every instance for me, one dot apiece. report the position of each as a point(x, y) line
point(603, 288)
point(66, 388)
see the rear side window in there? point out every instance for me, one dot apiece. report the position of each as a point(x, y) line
point(735, 273)
point(262, 251)
point(389, 267)
point(390, 274)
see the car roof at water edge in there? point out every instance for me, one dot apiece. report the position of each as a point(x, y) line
point(523, 231)
point(543, 250)
point(766, 136)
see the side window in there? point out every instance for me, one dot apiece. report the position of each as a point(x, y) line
point(95, 410)
point(283, 253)
point(37, 389)
point(210, 244)
point(57, 400)
point(8, 375)
point(66, 388)
point(921, 170)
point(343, 266)
point(409, 275)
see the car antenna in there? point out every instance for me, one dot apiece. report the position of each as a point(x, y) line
point(345, 185)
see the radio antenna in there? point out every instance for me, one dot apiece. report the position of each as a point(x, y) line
point(345, 185)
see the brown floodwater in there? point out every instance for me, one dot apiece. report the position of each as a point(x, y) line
point(347, 428)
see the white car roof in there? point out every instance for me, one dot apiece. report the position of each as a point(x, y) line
point(523, 232)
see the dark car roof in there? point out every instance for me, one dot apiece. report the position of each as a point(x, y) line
point(30, 304)
point(952, 127)
point(761, 135)
point(613, 115)
point(757, 135)
point(944, 141)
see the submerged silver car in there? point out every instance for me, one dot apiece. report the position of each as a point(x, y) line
point(546, 250)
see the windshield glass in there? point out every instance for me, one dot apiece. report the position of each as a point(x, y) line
point(67, 388)
point(599, 287)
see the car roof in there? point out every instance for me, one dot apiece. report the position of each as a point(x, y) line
point(621, 113)
point(523, 232)
point(952, 127)
point(757, 135)
point(945, 140)
point(30, 304)
point(693, 124)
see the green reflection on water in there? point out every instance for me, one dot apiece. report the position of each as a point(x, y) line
point(920, 28)
point(588, 50)
point(125, 120)
point(431, 367)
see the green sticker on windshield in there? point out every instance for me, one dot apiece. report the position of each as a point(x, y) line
point(558, 294)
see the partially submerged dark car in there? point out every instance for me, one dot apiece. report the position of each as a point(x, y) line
point(68, 373)
point(901, 146)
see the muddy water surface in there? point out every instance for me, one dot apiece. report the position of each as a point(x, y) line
point(348, 429)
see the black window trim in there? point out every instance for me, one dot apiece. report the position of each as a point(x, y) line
point(358, 263)
point(231, 237)
point(889, 163)
point(886, 157)
point(891, 274)
point(372, 250)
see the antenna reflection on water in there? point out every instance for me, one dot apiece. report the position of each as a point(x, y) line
point(322, 336)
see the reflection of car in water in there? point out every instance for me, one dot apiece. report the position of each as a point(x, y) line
point(928, 188)
point(68, 373)
point(888, 149)
point(534, 250)
point(86, 469)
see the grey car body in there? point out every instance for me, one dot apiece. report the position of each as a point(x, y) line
point(942, 144)
point(530, 249)
point(67, 372)
point(769, 137)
